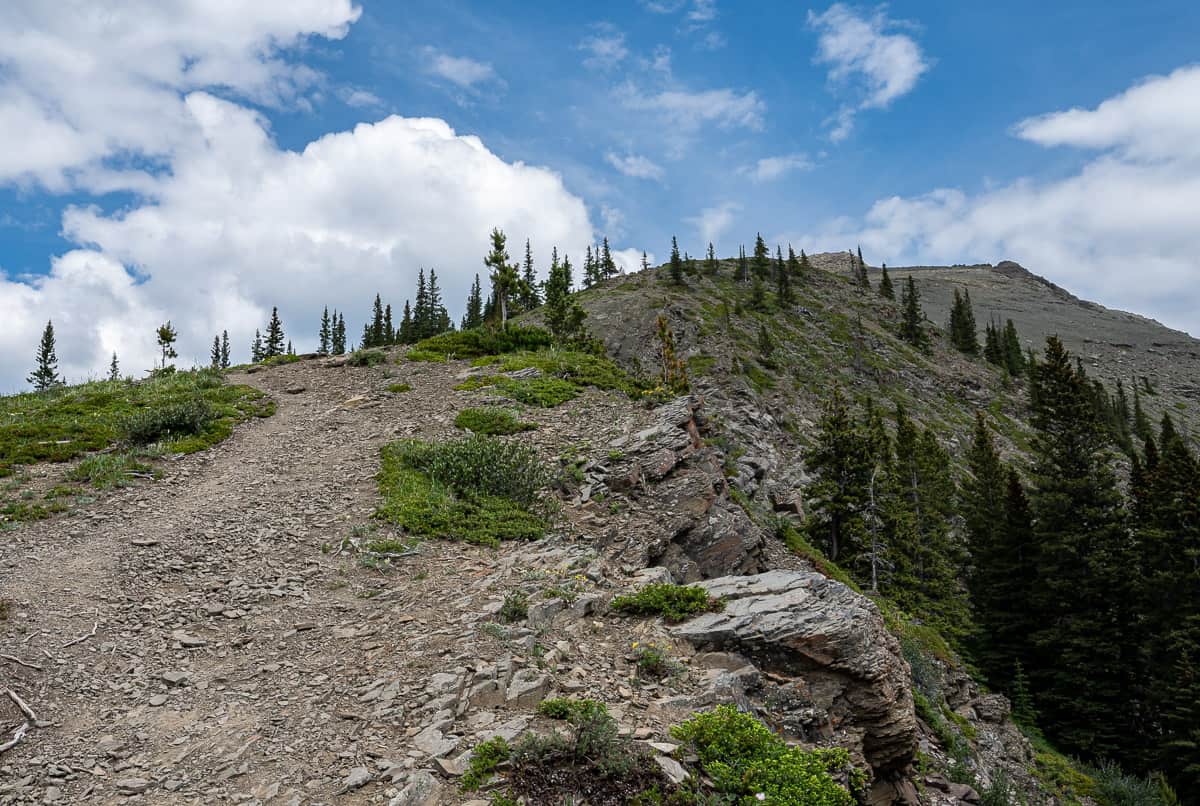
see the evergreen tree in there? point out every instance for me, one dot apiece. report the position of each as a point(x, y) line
point(1084, 662)
point(783, 280)
point(339, 333)
point(564, 315)
point(224, 349)
point(758, 294)
point(608, 268)
point(711, 266)
point(993, 350)
point(439, 317)
point(274, 341)
point(530, 298)
point(256, 348)
point(503, 274)
point(421, 315)
point(761, 262)
point(473, 317)
point(911, 329)
point(645, 261)
point(766, 345)
point(325, 334)
point(1014, 356)
point(166, 336)
point(45, 374)
point(743, 265)
point(676, 263)
point(389, 332)
point(861, 271)
point(373, 330)
point(805, 266)
point(885, 285)
point(290, 349)
point(214, 354)
point(793, 265)
point(404, 333)
point(114, 369)
point(842, 462)
point(1141, 423)
point(962, 324)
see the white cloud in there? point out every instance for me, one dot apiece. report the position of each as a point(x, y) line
point(236, 224)
point(634, 165)
point(360, 99)
point(769, 169)
point(84, 81)
point(461, 71)
point(713, 222)
point(614, 221)
point(605, 48)
point(630, 260)
point(662, 6)
point(866, 60)
point(702, 11)
point(689, 111)
point(1121, 230)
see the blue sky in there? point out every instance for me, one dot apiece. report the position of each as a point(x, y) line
point(161, 162)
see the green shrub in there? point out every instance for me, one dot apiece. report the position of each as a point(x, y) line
point(479, 465)
point(398, 388)
point(486, 757)
point(491, 420)
point(653, 663)
point(515, 608)
point(673, 602)
point(581, 369)
point(744, 759)
point(484, 341)
point(570, 710)
point(543, 392)
point(366, 358)
point(105, 471)
point(427, 356)
point(180, 419)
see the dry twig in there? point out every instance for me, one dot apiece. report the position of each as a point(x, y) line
point(82, 638)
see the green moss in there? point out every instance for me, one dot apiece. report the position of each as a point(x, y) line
point(700, 364)
point(491, 421)
point(399, 388)
point(673, 602)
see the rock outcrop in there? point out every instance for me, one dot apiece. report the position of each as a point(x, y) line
point(832, 671)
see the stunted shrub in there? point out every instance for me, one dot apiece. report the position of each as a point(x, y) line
point(366, 358)
point(491, 420)
point(484, 341)
point(672, 602)
point(169, 420)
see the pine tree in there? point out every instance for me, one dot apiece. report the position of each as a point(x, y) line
point(214, 354)
point(993, 351)
point(530, 298)
point(766, 345)
point(885, 285)
point(758, 294)
point(503, 274)
point(45, 375)
point(1141, 423)
point(256, 348)
point(564, 316)
point(645, 262)
point(114, 369)
point(793, 265)
point(290, 349)
point(275, 338)
point(373, 331)
point(224, 349)
point(404, 333)
point(861, 271)
point(743, 265)
point(420, 313)
point(783, 280)
point(1014, 356)
point(963, 332)
point(1083, 649)
point(389, 332)
point(676, 263)
point(711, 266)
point(911, 329)
point(166, 336)
point(842, 462)
point(806, 268)
point(439, 317)
point(473, 317)
point(325, 334)
point(761, 262)
point(608, 268)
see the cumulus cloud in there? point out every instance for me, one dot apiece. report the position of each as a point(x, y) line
point(1121, 230)
point(84, 82)
point(867, 60)
point(635, 165)
point(768, 169)
point(238, 225)
point(713, 222)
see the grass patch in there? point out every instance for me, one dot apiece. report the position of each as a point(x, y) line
point(744, 759)
point(104, 471)
point(399, 388)
point(491, 421)
point(579, 368)
point(185, 411)
point(673, 602)
point(477, 489)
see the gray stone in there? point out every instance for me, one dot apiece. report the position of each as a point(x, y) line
point(357, 779)
point(133, 786)
point(528, 688)
point(188, 641)
point(431, 742)
point(422, 789)
point(671, 768)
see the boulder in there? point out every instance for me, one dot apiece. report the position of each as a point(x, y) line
point(849, 679)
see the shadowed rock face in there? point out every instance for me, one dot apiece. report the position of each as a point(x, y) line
point(856, 686)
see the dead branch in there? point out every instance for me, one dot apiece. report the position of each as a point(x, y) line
point(30, 719)
point(82, 638)
point(20, 662)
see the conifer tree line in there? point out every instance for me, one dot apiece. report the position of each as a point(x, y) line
point(1075, 594)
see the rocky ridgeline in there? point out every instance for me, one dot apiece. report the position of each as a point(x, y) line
point(219, 637)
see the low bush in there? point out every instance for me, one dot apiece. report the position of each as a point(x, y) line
point(398, 388)
point(483, 341)
point(491, 420)
point(568, 709)
point(673, 602)
point(545, 393)
point(746, 761)
point(486, 757)
point(180, 419)
point(479, 489)
point(366, 358)
point(514, 608)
